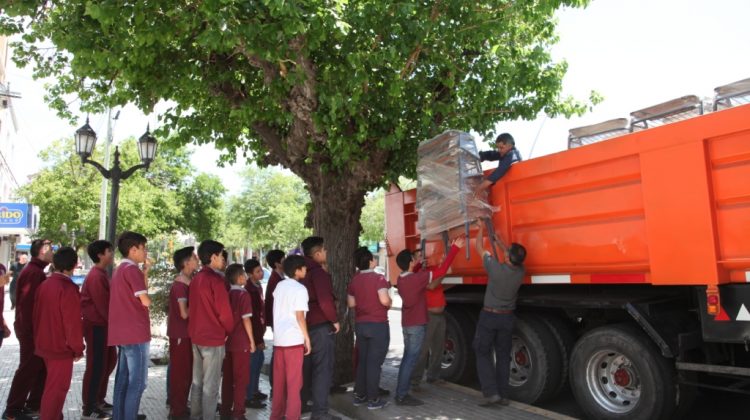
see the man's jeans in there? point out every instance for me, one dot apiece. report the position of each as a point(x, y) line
point(130, 380)
point(372, 344)
point(207, 363)
point(434, 344)
point(256, 363)
point(493, 334)
point(413, 338)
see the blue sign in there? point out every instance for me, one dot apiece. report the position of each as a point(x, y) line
point(15, 215)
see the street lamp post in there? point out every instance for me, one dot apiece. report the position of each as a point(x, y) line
point(85, 139)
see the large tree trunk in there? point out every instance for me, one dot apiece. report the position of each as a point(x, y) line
point(336, 208)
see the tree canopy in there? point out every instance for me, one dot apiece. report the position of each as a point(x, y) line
point(160, 200)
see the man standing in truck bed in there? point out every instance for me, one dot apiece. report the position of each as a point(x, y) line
point(496, 318)
point(506, 154)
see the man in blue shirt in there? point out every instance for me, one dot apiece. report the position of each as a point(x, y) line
point(506, 154)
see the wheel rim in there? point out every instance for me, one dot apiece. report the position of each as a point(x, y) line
point(449, 353)
point(613, 381)
point(520, 362)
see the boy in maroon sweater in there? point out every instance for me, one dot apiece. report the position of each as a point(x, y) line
point(254, 398)
point(210, 322)
point(100, 358)
point(412, 287)
point(322, 324)
point(180, 347)
point(58, 332)
point(240, 345)
point(25, 395)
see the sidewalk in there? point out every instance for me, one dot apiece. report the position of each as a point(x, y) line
point(445, 401)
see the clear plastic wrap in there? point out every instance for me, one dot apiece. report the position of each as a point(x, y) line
point(448, 173)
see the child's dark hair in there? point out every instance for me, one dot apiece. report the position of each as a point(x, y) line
point(403, 259)
point(233, 272)
point(274, 257)
point(129, 240)
point(65, 259)
point(251, 264)
point(516, 254)
point(97, 248)
point(208, 248)
point(181, 256)
point(362, 258)
point(311, 245)
point(36, 246)
point(293, 263)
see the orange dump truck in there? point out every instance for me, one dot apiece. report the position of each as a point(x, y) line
point(638, 286)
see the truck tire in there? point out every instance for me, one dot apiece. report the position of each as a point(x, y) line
point(458, 356)
point(535, 362)
point(562, 330)
point(616, 372)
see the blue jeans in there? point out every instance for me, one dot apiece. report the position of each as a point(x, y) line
point(130, 380)
point(413, 338)
point(256, 363)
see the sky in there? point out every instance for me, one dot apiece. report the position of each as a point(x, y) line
point(635, 53)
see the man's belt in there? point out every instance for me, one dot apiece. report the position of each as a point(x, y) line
point(497, 311)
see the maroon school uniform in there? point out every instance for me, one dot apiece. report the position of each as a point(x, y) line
point(28, 382)
point(236, 369)
point(364, 287)
point(210, 313)
point(180, 349)
point(58, 336)
point(411, 287)
point(128, 318)
point(320, 289)
point(258, 319)
point(273, 280)
point(100, 357)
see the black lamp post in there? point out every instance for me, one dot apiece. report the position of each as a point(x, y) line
point(85, 139)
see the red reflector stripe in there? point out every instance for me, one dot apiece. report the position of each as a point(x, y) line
point(722, 315)
point(618, 278)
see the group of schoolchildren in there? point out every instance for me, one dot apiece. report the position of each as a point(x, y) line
point(216, 321)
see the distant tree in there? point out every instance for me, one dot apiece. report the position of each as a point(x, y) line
point(373, 217)
point(202, 206)
point(68, 193)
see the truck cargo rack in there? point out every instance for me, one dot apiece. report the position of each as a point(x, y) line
point(733, 94)
point(667, 112)
point(588, 134)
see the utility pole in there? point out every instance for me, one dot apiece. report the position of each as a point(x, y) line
point(103, 198)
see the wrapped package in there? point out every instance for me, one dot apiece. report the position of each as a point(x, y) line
point(448, 173)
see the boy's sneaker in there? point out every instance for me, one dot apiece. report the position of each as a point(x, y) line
point(409, 401)
point(95, 414)
point(359, 400)
point(105, 406)
point(15, 415)
point(254, 404)
point(383, 392)
point(260, 396)
point(377, 404)
point(34, 414)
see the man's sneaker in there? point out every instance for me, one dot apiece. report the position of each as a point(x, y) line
point(409, 401)
point(490, 401)
point(255, 404)
point(105, 406)
point(95, 414)
point(383, 392)
point(260, 396)
point(359, 400)
point(377, 404)
point(141, 417)
point(15, 415)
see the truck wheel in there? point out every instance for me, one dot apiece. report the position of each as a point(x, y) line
point(535, 362)
point(616, 372)
point(458, 363)
point(562, 330)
